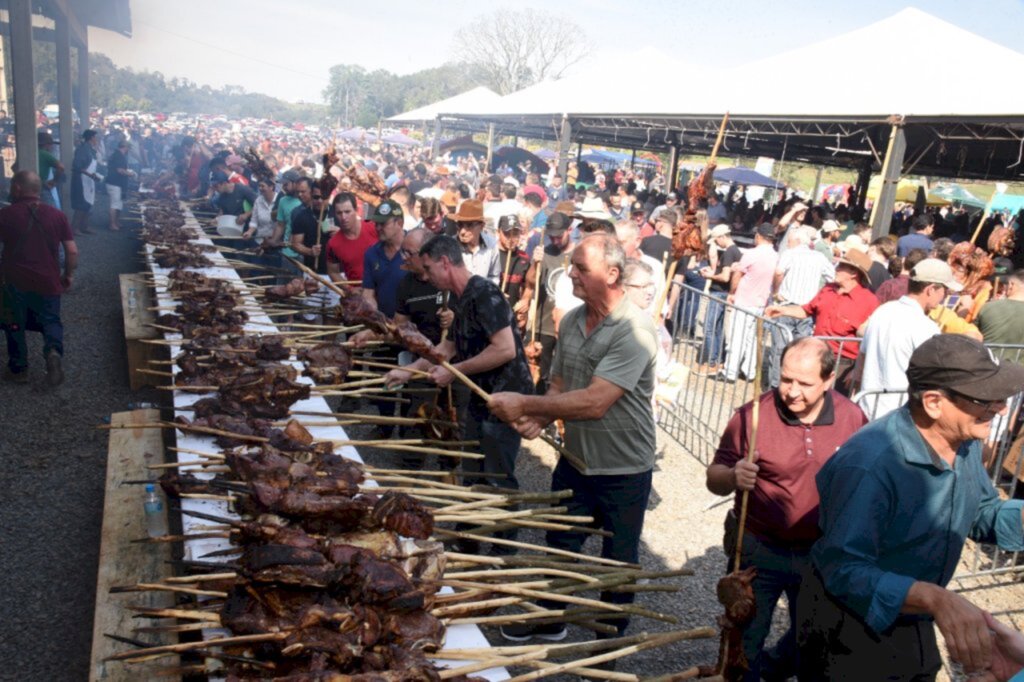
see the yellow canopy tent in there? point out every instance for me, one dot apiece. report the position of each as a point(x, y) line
point(906, 191)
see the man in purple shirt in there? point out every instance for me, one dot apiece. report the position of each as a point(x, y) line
point(32, 234)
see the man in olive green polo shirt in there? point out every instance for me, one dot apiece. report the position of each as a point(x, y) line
point(602, 380)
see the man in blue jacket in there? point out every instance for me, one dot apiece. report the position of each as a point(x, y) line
point(898, 501)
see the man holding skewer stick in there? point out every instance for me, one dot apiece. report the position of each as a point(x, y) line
point(602, 381)
point(487, 347)
point(802, 423)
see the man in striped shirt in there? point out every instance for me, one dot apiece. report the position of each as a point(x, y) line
point(800, 274)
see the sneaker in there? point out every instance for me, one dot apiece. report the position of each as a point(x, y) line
point(16, 377)
point(54, 370)
point(552, 632)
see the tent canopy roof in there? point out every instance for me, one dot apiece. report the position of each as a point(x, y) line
point(976, 136)
point(478, 99)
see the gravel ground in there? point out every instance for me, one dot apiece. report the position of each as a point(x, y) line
point(52, 462)
point(53, 468)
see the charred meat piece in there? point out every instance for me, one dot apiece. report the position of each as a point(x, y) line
point(736, 593)
point(415, 342)
point(287, 565)
point(402, 514)
point(357, 310)
point(281, 292)
point(174, 484)
point(326, 363)
point(416, 630)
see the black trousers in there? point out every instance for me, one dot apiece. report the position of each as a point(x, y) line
point(618, 505)
point(835, 644)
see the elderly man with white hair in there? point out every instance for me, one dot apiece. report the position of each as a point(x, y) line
point(799, 275)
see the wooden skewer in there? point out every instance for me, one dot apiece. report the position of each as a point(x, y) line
point(541, 548)
point(176, 648)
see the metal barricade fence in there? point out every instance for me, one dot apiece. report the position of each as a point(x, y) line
point(703, 386)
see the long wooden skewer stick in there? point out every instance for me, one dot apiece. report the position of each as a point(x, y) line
point(755, 413)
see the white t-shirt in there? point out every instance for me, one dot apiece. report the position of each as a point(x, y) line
point(893, 332)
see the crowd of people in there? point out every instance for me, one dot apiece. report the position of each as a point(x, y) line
point(561, 299)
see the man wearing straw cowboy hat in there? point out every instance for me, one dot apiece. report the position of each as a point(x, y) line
point(480, 257)
point(839, 309)
point(800, 425)
point(898, 502)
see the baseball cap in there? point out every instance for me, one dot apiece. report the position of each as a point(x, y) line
point(962, 364)
point(386, 210)
point(718, 231)
point(637, 207)
point(935, 271)
point(672, 195)
point(218, 178)
point(234, 160)
point(509, 222)
point(830, 226)
point(291, 175)
point(557, 225)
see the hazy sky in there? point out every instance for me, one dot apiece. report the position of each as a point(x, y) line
point(285, 47)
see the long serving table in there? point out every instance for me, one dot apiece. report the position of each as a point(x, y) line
point(458, 636)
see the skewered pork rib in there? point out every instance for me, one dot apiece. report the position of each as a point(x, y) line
point(357, 310)
point(412, 339)
point(367, 185)
point(402, 514)
point(294, 287)
point(326, 363)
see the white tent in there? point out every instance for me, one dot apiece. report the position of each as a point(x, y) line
point(833, 103)
point(477, 100)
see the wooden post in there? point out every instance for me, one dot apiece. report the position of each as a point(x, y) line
point(83, 82)
point(490, 147)
point(23, 82)
point(435, 145)
point(67, 136)
point(673, 168)
point(564, 142)
point(892, 168)
point(817, 185)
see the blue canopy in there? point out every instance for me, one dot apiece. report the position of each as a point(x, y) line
point(607, 157)
point(546, 154)
point(745, 176)
point(1008, 202)
point(357, 134)
point(399, 138)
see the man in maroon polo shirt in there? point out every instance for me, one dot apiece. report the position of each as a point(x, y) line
point(802, 423)
point(839, 309)
point(32, 234)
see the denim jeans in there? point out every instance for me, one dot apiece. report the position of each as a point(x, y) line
point(783, 330)
point(714, 318)
point(779, 569)
point(35, 312)
point(689, 303)
point(617, 504)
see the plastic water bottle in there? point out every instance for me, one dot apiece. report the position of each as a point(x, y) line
point(156, 520)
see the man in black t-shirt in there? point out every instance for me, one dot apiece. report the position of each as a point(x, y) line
point(552, 258)
point(233, 197)
point(659, 244)
point(512, 259)
point(714, 317)
point(486, 347)
point(305, 226)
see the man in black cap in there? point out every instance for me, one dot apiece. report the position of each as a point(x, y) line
point(552, 257)
point(511, 258)
point(898, 501)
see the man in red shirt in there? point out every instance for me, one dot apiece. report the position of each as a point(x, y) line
point(346, 248)
point(32, 234)
point(801, 424)
point(839, 309)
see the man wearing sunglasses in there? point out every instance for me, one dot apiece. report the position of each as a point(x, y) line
point(898, 501)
